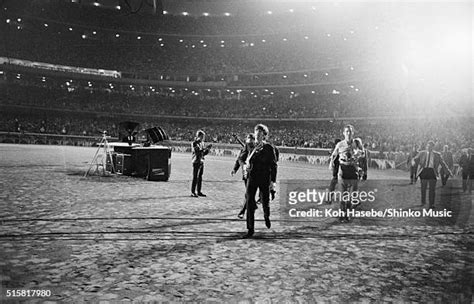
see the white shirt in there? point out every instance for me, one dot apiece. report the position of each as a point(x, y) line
point(430, 160)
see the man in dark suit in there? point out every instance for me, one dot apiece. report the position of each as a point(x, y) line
point(428, 164)
point(464, 164)
point(262, 170)
point(470, 170)
point(412, 167)
point(199, 151)
point(363, 163)
point(448, 159)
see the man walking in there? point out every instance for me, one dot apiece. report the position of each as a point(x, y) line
point(262, 170)
point(428, 164)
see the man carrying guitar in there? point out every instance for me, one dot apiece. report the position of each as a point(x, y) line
point(262, 170)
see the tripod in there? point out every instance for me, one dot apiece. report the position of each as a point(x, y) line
point(100, 158)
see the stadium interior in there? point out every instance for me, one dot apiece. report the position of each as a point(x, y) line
point(304, 68)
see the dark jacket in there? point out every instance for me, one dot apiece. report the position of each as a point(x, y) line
point(411, 156)
point(464, 161)
point(199, 151)
point(263, 162)
point(438, 161)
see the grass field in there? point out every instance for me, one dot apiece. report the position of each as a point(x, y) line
point(126, 239)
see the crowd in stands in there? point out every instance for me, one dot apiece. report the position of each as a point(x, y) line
point(54, 107)
point(184, 103)
point(385, 136)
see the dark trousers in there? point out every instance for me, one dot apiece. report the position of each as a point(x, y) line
point(350, 183)
point(465, 176)
point(444, 178)
point(198, 170)
point(428, 181)
point(254, 184)
point(413, 174)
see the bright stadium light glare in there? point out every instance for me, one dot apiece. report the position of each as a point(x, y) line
point(96, 4)
point(205, 14)
point(19, 19)
point(8, 20)
point(118, 7)
point(165, 13)
point(45, 25)
point(94, 33)
point(185, 13)
point(291, 10)
point(227, 14)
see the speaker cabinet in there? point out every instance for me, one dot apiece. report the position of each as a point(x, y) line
point(152, 163)
point(124, 164)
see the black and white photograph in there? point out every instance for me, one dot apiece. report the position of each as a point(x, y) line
point(236, 151)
